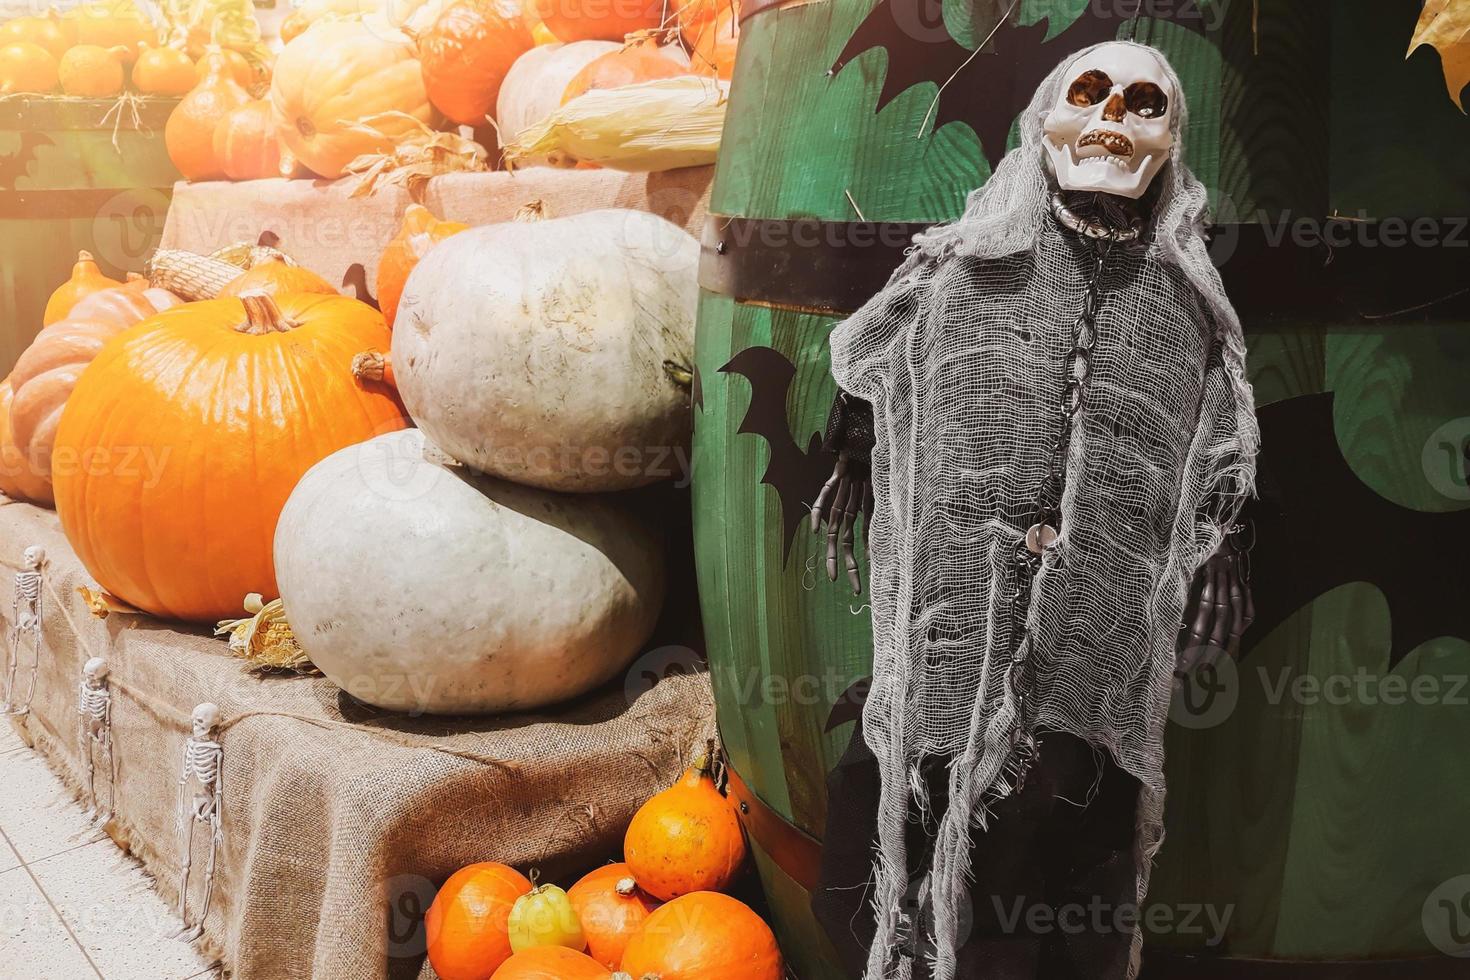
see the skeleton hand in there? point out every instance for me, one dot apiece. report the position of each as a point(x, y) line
point(850, 489)
point(1221, 611)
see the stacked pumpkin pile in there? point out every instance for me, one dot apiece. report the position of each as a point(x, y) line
point(661, 915)
point(100, 51)
point(349, 88)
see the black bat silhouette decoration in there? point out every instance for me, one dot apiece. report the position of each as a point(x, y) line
point(356, 278)
point(796, 474)
point(989, 92)
point(14, 166)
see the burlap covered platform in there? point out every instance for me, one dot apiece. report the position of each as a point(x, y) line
point(339, 820)
point(326, 229)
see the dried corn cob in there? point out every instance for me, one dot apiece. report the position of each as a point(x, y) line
point(188, 275)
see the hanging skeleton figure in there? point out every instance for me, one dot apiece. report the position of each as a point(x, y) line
point(1045, 418)
point(203, 767)
point(25, 630)
point(94, 707)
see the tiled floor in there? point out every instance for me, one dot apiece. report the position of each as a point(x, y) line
point(72, 905)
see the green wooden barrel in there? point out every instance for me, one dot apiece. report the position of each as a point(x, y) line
point(835, 151)
point(75, 174)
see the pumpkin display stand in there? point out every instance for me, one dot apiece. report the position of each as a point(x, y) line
point(328, 230)
point(339, 820)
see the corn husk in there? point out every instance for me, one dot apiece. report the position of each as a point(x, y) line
point(102, 604)
point(415, 158)
point(658, 125)
point(264, 639)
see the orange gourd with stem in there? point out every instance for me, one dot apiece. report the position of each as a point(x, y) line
point(598, 20)
point(640, 60)
point(703, 936)
point(275, 276)
point(92, 72)
point(239, 67)
point(687, 838)
point(612, 908)
point(86, 279)
point(109, 29)
point(467, 924)
point(193, 427)
point(27, 67)
point(420, 231)
point(189, 133)
point(246, 143)
point(551, 963)
point(164, 71)
point(467, 53)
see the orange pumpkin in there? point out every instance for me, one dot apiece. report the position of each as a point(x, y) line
point(598, 20)
point(338, 79)
point(638, 61)
point(164, 71)
point(92, 72)
point(275, 276)
point(189, 132)
point(86, 279)
point(183, 439)
point(108, 29)
point(467, 924)
point(420, 231)
point(611, 907)
point(703, 936)
point(20, 478)
point(239, 67)
point(551, 963)
point(246, 143)
point(47, 32)
point(716, 44)
point(686, 839)
point(47, 371)
point(26, 67)
point(467, 53)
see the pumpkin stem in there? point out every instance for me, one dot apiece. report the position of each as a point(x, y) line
point(263, 316)
point(372, 366)
point(534, 211)
point(84, 256)
point(626, 887)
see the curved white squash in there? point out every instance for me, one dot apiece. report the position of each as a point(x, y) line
point(424, 587)
point(554, 353)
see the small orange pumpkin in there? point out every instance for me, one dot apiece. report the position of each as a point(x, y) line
point(46, 32)
point(275, 277)
point(598, 20)
point(467, 54)
point(109, 29)
point(20, 478)
point(247, 145)
point(551, 963)
point(189, 431)
point(420, 231)
point(86, 279)
point(717, 43)
point(703, 936)
point(189, 132)
point(611, 907)
point(26, 67)
point(239, 66)
point(164, 71)
point(92, 72)
point(638, 61)
point(687, 838)
point(467, 923)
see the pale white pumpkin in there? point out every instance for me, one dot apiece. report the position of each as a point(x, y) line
point(418, 585)
point(534, 85)
point(555, 353)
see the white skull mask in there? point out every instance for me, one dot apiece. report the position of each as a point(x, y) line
point(1110, 129)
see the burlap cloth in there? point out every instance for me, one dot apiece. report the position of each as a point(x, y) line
point(339, 820)
point(327, 230)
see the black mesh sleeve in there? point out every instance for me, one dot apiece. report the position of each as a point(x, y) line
point(850, 428)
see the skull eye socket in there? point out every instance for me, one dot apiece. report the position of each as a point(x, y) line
point(1146, 99)
point(1090, 88)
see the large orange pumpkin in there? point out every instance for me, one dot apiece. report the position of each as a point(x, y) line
point(703, 936)
point(275, 276)
point(246, 143)
point(551, 963)
point(467, 924)
point(612, 908)
point(86, 279)
point(467, 53)
point(637, 61)
point(164, 71)
point(598, 20)
point(338, 78)
point(48, 370)
point(20, 478)
point(183, 439)
point(686, 839)
point(189, 132)
point(420, 231)
point(47, 32)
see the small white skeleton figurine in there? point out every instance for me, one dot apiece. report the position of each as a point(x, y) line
point(25, 623)
point(203, 767)
point(94, 706)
